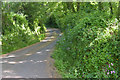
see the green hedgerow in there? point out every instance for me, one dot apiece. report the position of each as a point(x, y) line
point(86, 50)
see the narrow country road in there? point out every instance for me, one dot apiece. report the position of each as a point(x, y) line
point(31, 61)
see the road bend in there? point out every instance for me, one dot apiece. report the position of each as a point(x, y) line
point(31, 61)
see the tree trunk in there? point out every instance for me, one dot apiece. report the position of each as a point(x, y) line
point(111, 10)
point(70, 6)
point(100, 7)
point(78, 6)
point(118, 16)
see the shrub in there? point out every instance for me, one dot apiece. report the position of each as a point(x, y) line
point(89, 47)
point(17, 33)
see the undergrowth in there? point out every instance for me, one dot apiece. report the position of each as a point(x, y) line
point(90, 49)
point(17, 33)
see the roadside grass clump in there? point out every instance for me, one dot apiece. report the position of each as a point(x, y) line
point(89, 50)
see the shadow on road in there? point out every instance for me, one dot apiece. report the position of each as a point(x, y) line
point(32, 61)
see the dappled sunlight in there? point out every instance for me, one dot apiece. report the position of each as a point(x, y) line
point(21, 61)
point(108, 32)
point(7, 71)
point(17, 62)
point(28, 54)
point(0, 43)
point(47, 50)
point(18, 65)
point(50, 37)
point(21, 65)
point(79, 39)
point(44, 40)
point(5, 61)
point(12, 62)
point(4, 57)
point(45, 60)
point(12, 77)
point(39, 61)
point(28, 63)
point(31, 60)
point(11, 56)
point(38, 52)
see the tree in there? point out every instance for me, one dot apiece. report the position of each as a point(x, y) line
point(111, 9)
point(118, 17)
point(78, 6)
point(70, 6)
point(100, 6)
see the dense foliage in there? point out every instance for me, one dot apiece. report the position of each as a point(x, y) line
point(90, 44)
point(20, 27)
point(87, 50)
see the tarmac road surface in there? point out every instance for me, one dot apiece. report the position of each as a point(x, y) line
point(31, 61)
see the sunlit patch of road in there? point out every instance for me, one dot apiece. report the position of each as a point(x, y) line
point(30, 62)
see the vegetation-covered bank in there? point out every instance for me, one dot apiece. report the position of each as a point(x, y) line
point(90, 45)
